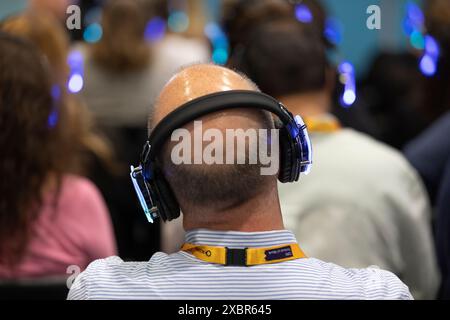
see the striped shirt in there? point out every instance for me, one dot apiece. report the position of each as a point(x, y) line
point(182, 276)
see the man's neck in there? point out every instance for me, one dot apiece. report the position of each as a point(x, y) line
point(261, 213)
point(307, 104)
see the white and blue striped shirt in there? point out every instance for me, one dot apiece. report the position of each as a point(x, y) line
point(182, 276)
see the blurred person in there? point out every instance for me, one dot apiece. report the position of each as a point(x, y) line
point(393, 94)
point(44, 31)
point(239, 15)
point(244, 14)
point(362, 204)
point(178, 49)
point(118, 81)
point(437, 21)
point(124, 71)
point(50, 217)
point(236, 245)
point(430, 152)
point(248, 14)
point(102, 165)
point(430, 155)
point(117, 69)
point(443, 230)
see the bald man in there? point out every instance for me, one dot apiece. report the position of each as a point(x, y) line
point(227, 208)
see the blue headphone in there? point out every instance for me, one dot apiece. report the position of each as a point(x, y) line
point(154, 192)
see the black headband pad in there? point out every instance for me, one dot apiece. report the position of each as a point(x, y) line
point(211, 103)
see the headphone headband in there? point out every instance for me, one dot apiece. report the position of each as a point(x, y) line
point(155, 193)
point(208, 104)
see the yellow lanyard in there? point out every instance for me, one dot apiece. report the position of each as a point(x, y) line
point(244, 257)
point(322, 124)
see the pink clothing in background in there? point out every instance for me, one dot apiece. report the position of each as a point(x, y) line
point(74, 231)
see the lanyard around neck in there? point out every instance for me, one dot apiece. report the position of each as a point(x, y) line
point(322, 124)
point(244, 257)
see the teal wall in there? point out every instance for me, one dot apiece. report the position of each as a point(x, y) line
point(8, 7)
point(360, 44)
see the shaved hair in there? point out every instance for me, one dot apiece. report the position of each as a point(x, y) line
point(216, 186)
point(151, 119)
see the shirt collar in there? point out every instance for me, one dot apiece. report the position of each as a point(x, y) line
point(237, 239)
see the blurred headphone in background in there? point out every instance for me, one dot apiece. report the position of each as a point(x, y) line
point(311, 14)
point(154, 193)
point(419, 38)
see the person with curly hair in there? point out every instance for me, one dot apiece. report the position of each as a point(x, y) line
point(50, 217)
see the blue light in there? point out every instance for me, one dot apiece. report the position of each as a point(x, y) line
point(431, 47)
point(75, 83)
point(178, 21)
point(333, 31)
point(428, 65)
point(75, 62)
point(417, 40)
point(408, 27)
point(56, 92)
point(413, 21)
point(346, 67)
point(303, 14)
point(220, 56)
point(93, 33)
point(349, 97)
point(212, 30)
point(75, 59)
point(219, 42)
point(347, 78)
point(139, 193)
point(215, 34)
point(56, 95)
point(52, 119)
point(155, 29)
point(415, 15)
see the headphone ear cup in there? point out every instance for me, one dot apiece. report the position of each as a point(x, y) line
point(286, 157)
point(168, 206)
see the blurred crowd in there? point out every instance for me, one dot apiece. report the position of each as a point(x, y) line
point(74, 108)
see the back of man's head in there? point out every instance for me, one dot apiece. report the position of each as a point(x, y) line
point(284, 58)
point(225, 181)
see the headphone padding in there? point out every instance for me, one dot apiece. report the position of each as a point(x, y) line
point(286, 157)
point(167, 203)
